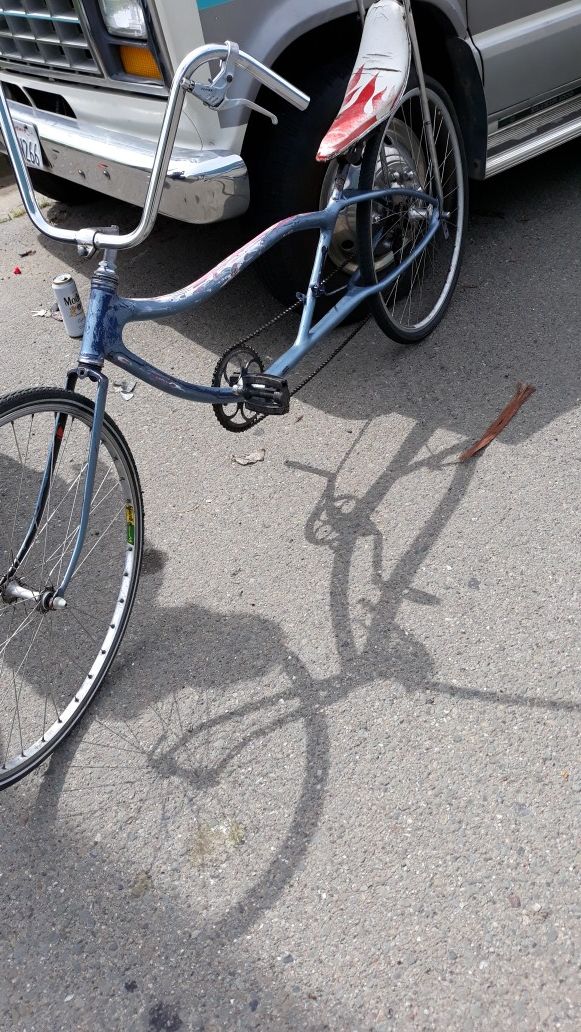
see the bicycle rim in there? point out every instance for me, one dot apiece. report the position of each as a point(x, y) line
point(52, 662)
point(414, 304)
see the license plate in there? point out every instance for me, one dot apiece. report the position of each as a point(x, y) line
point(29, 144)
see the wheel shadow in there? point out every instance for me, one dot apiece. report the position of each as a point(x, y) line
point(196, 692)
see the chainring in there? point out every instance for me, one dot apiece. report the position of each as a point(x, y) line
point(239, 359)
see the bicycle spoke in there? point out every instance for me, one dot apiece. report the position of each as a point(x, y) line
point(44, 528)
point(90, 636)
point(98, 542)
point(15, 714)
point(67, 530)
point(405, 155)
point(19, 690)
point(23, 467)
point(71, 538)
point(27, 619)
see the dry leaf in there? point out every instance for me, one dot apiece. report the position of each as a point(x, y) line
point(523, 392)
point(249, 460)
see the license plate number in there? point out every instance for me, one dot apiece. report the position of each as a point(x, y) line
point(29, 144)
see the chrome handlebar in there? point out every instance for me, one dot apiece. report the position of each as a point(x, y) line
point(91, 239)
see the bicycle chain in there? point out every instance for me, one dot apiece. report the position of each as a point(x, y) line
point(330, 357)
point(267, 325)
point(271, 322)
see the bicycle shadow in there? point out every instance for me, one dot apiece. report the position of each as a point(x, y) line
point(180, 774)
point(197, 660)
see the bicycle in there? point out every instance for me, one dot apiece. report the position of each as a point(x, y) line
point(67, 474)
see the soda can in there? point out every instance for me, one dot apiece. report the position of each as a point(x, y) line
point(70, 304)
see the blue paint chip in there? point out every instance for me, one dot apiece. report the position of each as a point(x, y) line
point(204, 5)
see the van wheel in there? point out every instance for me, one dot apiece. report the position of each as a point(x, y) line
point(286, 179)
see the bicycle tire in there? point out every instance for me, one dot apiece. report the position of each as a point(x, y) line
point(408, 156)
point(26, 418)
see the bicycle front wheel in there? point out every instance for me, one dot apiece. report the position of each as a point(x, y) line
point(53, 661)
point(398, 155)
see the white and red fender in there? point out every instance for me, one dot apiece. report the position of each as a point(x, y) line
point(378, 80)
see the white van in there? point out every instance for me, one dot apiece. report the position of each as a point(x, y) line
point(87, 82)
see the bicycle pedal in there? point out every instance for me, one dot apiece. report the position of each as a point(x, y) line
point(268, 395)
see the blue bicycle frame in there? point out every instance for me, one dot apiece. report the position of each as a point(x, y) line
point(108, 313)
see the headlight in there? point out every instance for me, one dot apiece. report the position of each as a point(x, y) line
point(124, 18)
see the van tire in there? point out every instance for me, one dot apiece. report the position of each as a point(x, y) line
point(285, 177)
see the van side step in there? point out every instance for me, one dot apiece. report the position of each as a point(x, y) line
point(533, 134)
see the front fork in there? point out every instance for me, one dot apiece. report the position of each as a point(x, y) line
point(427, 121)
point(43, 495)
point(10, 589)
point(96, 376)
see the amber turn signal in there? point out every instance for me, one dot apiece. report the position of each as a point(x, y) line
point(139, 61)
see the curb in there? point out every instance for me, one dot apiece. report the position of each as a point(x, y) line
point(6, 175)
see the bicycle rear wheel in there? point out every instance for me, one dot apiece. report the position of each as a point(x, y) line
point(52, 662)
point(398, 155)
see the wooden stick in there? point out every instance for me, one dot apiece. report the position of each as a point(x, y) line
point(523, 392)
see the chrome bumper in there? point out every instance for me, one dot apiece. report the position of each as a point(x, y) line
point(201, 186)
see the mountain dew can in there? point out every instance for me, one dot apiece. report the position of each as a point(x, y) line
point(70, 304)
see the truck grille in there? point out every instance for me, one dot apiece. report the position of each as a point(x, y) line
point(45, 34)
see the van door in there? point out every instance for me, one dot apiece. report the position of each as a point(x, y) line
point(530, 49)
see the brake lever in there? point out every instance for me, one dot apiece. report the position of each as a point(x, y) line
point(231, 102)
point(214, 93)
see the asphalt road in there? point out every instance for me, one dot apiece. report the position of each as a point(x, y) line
point(331, 781)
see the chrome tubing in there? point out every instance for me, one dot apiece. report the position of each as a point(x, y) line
point(94, 238)
point(23, 179)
